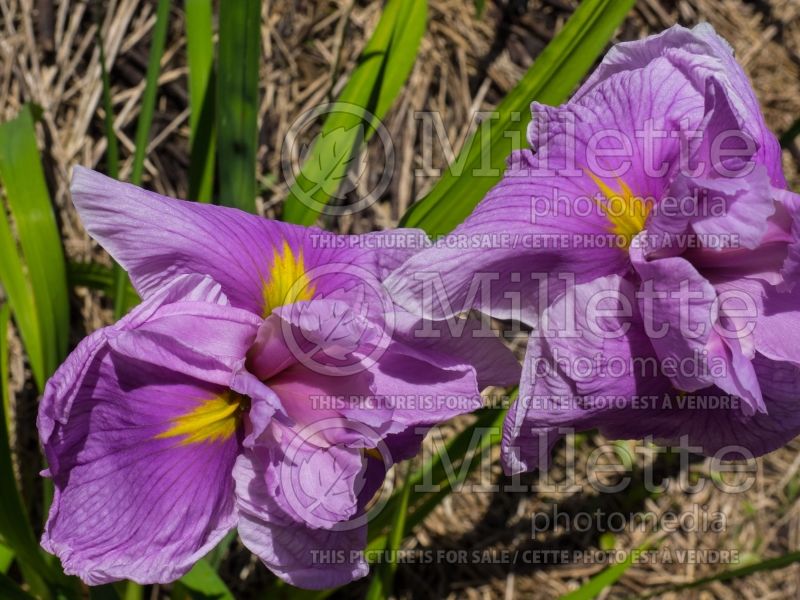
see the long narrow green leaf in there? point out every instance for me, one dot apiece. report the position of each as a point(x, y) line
point(554, 74)
point(11, 591)
point(98, 277)
point(203, 583)
point(112, 169)
point(605, 578)
point(148, 103)
point(29, 202)
point(6, 558)
point(5, 391)
point(20, 296)
point(380, 74)
point(381, 584)
point(15, 528)
point(133, 591)
point(237, 101)
point(770, 564)
point(40, 243)
point(203, 136)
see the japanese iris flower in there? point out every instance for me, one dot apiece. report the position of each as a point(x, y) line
point(649, 240)
point(265, 383)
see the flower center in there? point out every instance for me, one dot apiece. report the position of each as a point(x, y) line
point(213, 420)
point(626, 211)
point(288, 281)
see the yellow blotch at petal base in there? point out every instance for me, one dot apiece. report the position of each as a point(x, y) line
point(626, 211)
point(213, 420)
point(287, 282)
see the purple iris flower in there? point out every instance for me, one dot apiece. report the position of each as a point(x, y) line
point(649, 240)
point(265, 383)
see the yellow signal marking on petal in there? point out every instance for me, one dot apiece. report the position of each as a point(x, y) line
point(288, 281)
point(213, 420)
point(626, 211)
point(373, 453)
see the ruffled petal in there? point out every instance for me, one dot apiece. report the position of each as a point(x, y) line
point(591, 358)
point(558, 396)
point(141, 431)
point(677, 305)
point(423, 388)
point(700, 54)
point(467, 341)
point(200, 339)
point(567, 211)
point(132, 500)
point(506, 258)
point(259, 263)
point(296, 551)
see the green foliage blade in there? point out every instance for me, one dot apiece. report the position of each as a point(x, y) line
point(604, 579)
point(29, 202)
point(237, 102)
point(148, 103)
point(15, 528)
point(383, 577)
point(554, 74)
point(20, 296)
point(203, 583)
point(381, 72)
point(203, 136)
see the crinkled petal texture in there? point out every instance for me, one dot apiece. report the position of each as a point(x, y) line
point(701, 55)
point(619, 385)
point(260, 263)
point(359, 395)
point(547, 223)
point(661, 173)
point(141, 445)
point(299, 553)
point(633, 130)
point(327, 359)
point(352, 380)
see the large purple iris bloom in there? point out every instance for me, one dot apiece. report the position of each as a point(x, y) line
point(265, 383)
point(650, 241)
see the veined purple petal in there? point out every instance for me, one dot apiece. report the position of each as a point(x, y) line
point(557, 211)
point(141, 429)
point(423, 388)
point(700, 54)
point(201, 339)
point(259, 263)
point(132, 501)
point(467, 341)
point(591, 358)
point(300, 554)
point(555, 399)
point(678, 304)
point(503, 257)
point(773, 321)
